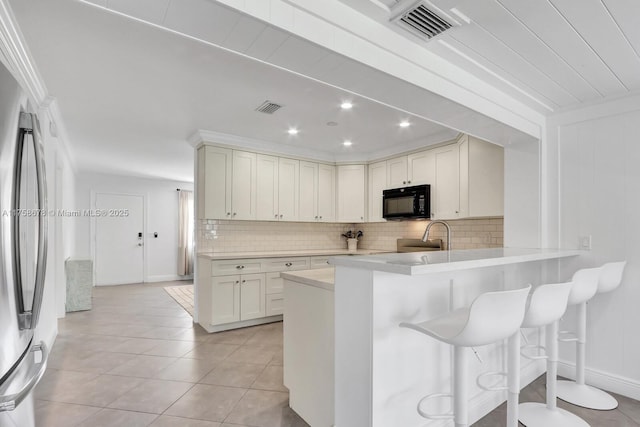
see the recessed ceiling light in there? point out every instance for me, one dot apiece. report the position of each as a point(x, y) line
point(346, 105)
point(347, 143)
point(405, 124)
point(292, 131)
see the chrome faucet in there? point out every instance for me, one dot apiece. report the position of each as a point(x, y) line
point(431, 224)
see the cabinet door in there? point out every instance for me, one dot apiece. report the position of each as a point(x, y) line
point(397, 172)
point(326, 193)
point(446, 201)
point(351, 193)
point(214, 182)
point(421, 168)
point(243, 195)
point(267, 188)
point(377, 183)
point(225, 299)
point(288, 187)
point(308, 192)
point(252, 296)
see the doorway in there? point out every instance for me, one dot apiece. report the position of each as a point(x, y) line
point(119, 238)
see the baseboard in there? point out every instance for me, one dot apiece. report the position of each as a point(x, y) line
point(606, 381)
point(167, 278)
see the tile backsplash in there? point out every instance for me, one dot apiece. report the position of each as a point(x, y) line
point(250, 236)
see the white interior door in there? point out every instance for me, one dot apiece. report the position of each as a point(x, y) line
point(119, 247)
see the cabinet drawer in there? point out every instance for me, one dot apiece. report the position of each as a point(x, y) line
point(275, 304)
point(275, 283)
point(319, 262)
point(286, 264)
point(236, 266)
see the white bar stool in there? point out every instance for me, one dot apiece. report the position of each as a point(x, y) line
point(547, 304)
point(577, 392)
point(492, 317)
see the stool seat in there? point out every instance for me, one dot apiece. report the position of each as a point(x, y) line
point(492, 317)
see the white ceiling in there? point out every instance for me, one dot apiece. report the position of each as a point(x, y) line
point(131, 94)
point(550, 54)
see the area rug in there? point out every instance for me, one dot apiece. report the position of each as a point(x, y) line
point(183, 296)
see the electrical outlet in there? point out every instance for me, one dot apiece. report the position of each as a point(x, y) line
point(585, 243)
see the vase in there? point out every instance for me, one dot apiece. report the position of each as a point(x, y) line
point(352, 245)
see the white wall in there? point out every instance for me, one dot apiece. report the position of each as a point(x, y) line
point(598, 157)
point(161, 200)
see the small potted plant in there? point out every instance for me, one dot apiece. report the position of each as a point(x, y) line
point(352, 239)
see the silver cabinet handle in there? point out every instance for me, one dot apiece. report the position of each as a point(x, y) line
point(276, 216)
point(242, 266)
point(316, 216)
point(237, 267)
point(288, 264)
point(244, 281)
point(28, 124)
point(320, 216)
point(228, 213)
point(408, 182)
point(237, 281)
point(8, 402)
point(234, 214)
point(404, 182)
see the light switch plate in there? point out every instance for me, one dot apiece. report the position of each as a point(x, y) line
point(585, 243)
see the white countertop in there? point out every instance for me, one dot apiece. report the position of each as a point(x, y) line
point(320, 278)
point(439, 261)
point(279, 254)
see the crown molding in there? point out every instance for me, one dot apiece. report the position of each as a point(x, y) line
point(201, 137)
point(16, 57)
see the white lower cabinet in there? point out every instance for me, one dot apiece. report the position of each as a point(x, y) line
point(236, 293)
point(252, 296)
point(236, 298)
point(225, 299)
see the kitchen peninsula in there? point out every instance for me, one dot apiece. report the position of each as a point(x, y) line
point(381, 370)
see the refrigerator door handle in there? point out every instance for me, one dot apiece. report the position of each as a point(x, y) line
point(29, 125)
point(9, 399)
point(43, 223)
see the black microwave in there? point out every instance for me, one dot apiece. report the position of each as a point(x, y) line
point(407, 203)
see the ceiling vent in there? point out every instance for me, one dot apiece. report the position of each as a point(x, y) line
point(422, 21)
point(268, 107)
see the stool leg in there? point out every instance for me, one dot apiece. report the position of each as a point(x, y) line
point(460, 388)
point(551, 333)
point(549, 415)
point(582, 342)
point(578, 393)
point(513, 375)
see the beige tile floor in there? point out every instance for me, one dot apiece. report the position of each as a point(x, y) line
point(138, 360)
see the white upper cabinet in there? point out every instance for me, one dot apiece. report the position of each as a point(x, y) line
point(308, 192)
point(397, 172)
point(214, 182)
point(288, 189)
point(421, 168)
point(445, 193)
point(377, 183)
point(326, 193)
point(469, 180)
point(243, 193)
point(466, 179)
point(351, 193)
point(267, 187)
point(481, 178)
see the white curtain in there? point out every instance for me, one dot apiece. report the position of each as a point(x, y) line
point(185, 233)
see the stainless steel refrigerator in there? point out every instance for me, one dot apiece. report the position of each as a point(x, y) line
point(23, 253)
